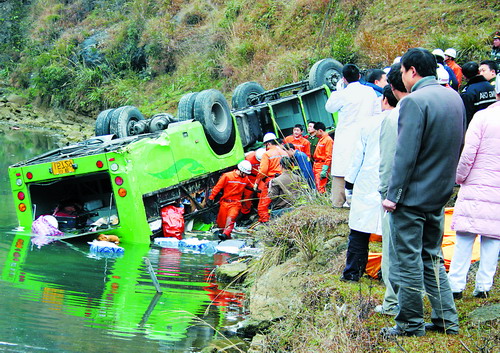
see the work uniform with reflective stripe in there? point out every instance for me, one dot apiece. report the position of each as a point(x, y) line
point(302, 144)
point(233, 186)
point(269, 167)
point(248, 195)
point(322, 156)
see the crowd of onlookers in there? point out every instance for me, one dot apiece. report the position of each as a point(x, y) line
point(396, 159)
point(397, 153)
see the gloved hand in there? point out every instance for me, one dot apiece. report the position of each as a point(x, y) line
point(324, 172)
point(348, 196)
point(210, 203)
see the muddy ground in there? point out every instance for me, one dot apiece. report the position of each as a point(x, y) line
point(17, 113)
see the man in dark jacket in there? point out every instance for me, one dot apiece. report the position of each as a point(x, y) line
point(430, 134)
point(478, 93)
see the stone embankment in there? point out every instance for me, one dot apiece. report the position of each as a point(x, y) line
point(17, 113)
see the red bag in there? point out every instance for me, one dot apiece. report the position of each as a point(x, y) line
point(172, 221)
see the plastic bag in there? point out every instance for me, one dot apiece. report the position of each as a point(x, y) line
point(172, 221)
point(45, 225)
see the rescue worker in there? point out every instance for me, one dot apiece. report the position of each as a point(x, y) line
point(254, 158)
point(300, 142)
point(450, 55)
point(269, 168)
point(322, 157)
point(284, 189)
point(232, 184)
point(302, 162)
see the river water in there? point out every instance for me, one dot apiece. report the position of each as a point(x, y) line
point(61, 298)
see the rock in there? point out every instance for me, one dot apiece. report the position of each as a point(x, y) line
point(274, 294)
point(485, 314)
point(251, 327)
point(14, 98)
point(257, 344)
point(228, 345)
point(230, 272)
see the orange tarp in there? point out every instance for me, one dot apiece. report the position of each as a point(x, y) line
point(375, 259)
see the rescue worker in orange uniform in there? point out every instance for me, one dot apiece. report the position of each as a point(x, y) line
point(233, 184)
point(298, 141)
point(269, 168)
point(254, 158)
point(322, 157)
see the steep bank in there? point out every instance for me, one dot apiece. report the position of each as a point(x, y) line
point(16, 113)
point(91, 55)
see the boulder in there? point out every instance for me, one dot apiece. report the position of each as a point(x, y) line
point(228, 345)
point(231, 272)
point(274, 294)
point(16, 99)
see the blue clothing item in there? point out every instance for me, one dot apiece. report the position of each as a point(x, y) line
point(305, 168)
point(453, 77)
point(378, 90)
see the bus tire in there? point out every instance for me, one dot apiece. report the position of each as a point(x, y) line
point(102, 122)
point(212, 111)
point(243, 94)
point(123, 120)
point(185, 108)
point(327, 71)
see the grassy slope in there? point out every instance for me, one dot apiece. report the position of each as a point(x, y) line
point(193, 45)
point(338, 317)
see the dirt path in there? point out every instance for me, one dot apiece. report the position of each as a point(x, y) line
point(16, 113)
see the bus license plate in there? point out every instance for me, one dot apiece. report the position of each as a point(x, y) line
point(63, 167)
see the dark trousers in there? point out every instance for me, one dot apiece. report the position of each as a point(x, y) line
point(357, 255)
point(417, 269)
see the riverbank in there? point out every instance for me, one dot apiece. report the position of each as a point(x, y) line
point(17, 113)
point(298, 303)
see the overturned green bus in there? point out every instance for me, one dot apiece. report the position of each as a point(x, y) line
point(134, 166)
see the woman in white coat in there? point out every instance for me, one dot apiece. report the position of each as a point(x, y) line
point(363, 176)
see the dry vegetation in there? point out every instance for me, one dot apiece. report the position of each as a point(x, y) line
point(154, 51)
point(336, 316)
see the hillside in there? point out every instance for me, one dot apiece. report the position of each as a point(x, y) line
point(88, 55)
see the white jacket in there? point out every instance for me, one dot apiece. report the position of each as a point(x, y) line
point(366, 206)
point(355, 104)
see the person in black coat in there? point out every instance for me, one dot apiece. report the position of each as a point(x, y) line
point(478, 93)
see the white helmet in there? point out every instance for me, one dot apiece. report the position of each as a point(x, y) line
point(245, 167)
point(443, 76)
point(438, 52)
point(269, 137)
point(396, 60)
point(451, 52)
point(259, 153)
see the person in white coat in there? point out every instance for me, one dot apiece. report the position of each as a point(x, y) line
point(388, 142)
point(363, 176)
point(355, 103)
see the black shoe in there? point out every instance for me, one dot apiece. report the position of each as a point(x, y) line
point(430, 327)
point(481, 294)
point(457, 295)
point(222, 236)
point(349, 279)
point(388, 332)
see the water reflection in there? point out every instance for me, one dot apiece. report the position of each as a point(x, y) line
point(67, 300)
point(61, 298)
point(15, 146)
